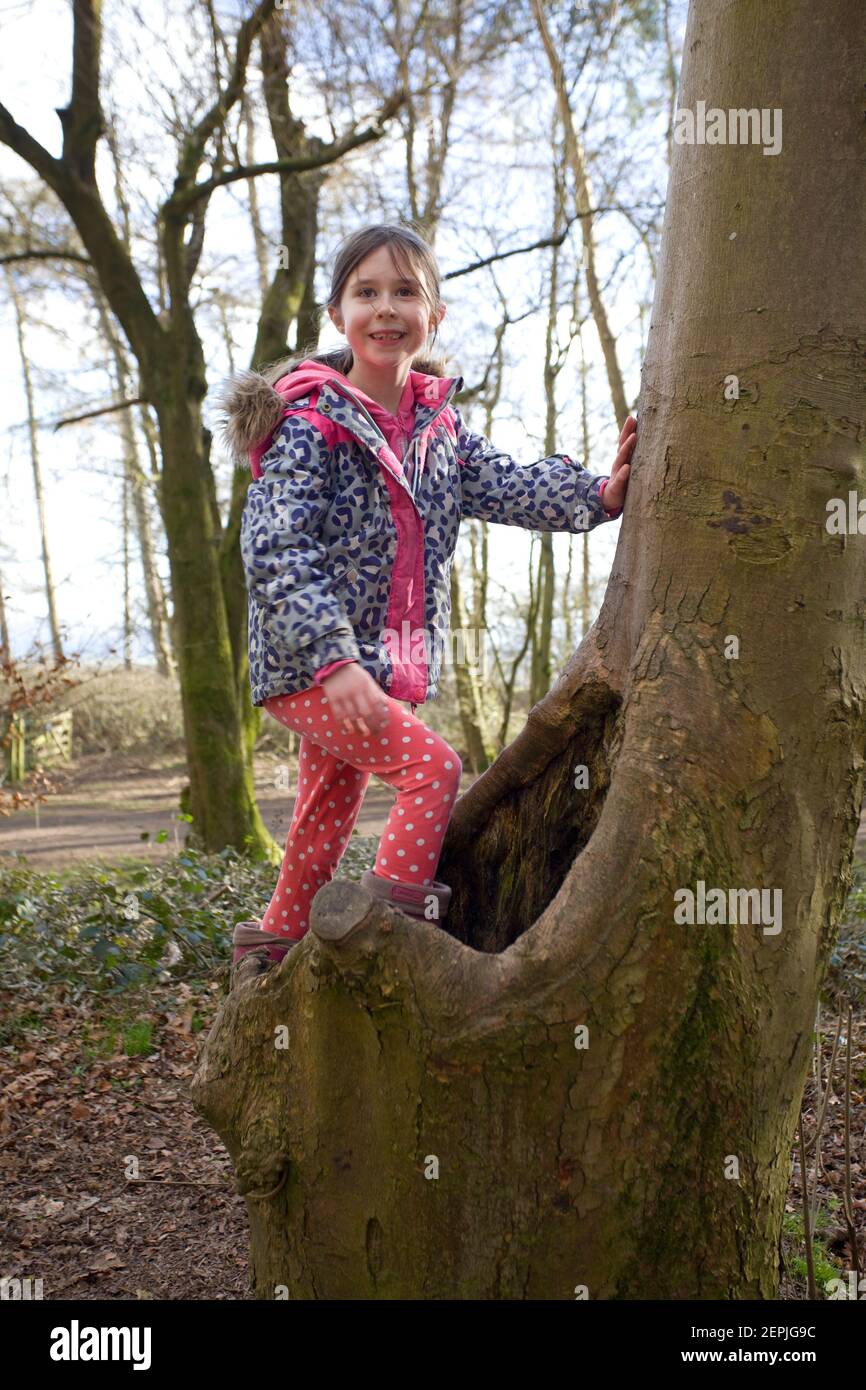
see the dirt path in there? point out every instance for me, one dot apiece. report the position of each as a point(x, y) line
point(109, 801)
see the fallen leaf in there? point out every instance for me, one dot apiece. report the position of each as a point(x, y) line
point(105, 1260)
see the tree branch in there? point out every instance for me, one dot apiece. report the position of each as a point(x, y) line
point(59, 255)
point(82, 119)
point(30, 150)
point(193, 150)
point(538, 245)
point(103, 410)
point(182, 199)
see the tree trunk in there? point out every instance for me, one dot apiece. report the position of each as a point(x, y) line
point(35, 463)
point(5, 643)
point(583, 192)
point(224, 807)
point(135, 489)
point(439, 1125)
point(467, 680)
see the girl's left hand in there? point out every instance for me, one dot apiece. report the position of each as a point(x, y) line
point(615, 490)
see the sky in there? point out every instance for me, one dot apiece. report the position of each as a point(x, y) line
point(81, 464)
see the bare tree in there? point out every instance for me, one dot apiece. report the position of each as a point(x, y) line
point(35, 464)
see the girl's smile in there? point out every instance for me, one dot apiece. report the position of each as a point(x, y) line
point(386, 320)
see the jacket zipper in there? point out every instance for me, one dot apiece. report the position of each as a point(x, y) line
point(347, 395)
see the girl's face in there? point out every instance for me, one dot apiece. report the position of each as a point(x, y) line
point(377, 299)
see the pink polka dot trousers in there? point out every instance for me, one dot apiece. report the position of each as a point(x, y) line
point(334, 769)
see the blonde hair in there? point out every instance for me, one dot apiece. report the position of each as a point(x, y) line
point(412, 255)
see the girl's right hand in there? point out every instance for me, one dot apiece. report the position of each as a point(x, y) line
point(358, 703)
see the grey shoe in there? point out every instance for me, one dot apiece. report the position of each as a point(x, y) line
point(410, 898)
point(255, 951)
point(250, 936)
point(255, 962)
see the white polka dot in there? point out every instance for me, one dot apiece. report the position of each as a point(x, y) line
point(414, 868)
point(406, 739)
point(383, 861)
point(419, 842)
point(401, 853)
point(426, 758)
point(405, 758)
point(390, 837)
point(434, 784)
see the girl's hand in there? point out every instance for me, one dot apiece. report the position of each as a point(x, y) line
point(359, 705)
point(614, 492)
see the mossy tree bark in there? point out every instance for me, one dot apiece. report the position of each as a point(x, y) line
point(439, 1125)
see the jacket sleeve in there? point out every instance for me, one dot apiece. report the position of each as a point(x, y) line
point(554, 494)
point(285, 559)
point(325, 671)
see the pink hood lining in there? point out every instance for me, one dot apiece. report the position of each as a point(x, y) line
point(309, 374)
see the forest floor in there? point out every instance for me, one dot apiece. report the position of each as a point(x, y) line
point(115, 1189)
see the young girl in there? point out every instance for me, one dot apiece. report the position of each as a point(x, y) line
point(362, 471)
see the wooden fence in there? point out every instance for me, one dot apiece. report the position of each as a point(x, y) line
point(34, 740)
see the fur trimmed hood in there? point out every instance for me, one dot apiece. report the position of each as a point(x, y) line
point(251, 407)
